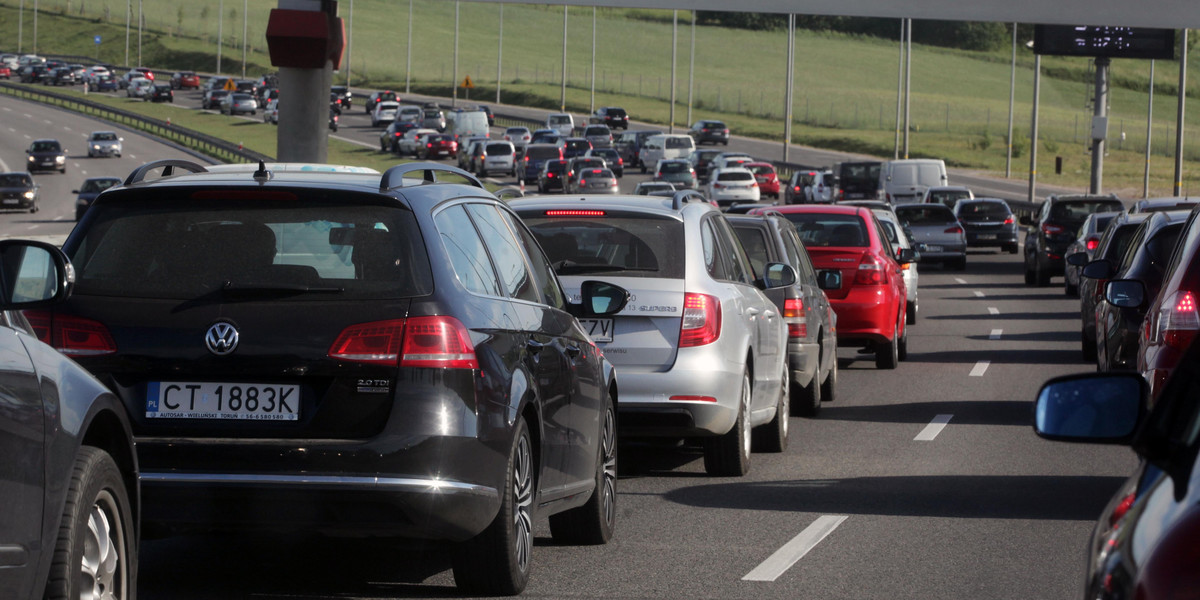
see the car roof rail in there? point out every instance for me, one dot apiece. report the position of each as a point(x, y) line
point(393, 177)
point(682, 196)
point(168, 166)
point(771, 212)
point(509, 192)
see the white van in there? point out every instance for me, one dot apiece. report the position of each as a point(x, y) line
point(665, 145)
point(563, 123)
point(463, 124)
point(905, 181)
point(408, 113)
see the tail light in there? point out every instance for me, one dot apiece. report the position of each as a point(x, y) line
point(1092, 243)
point(71, 335)
point(1009, 220)
point(793, 311)
point(1051, 229)
point(582, 181)
point(1120, 509)
point(437, 342)
point(870, 272)
point(717, 186)
point(1179, 321)
point(955, 230)
point(701, 320)
point(429, 145)
point(887, 196)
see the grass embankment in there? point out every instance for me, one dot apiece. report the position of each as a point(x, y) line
point(844, 95)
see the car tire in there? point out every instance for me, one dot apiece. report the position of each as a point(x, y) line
point(592, 524)
point(643, 169)
point(97, 518)
point(1071, 291)
point(960, 264)
point(33, 209)
point(829, 386)
point(886, 354)
point(1013, 249)
point(1040, 277)
point(1030, 279)
point(496, 562)
point(773, 437)
point(902, 346)
point(910, 313)
point(806, 400)
point(728, 455)
point(1088, 344)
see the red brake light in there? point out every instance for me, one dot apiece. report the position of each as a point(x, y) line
point(574, 213)
point(701, 320)
point(71, 335)
point(439, 342)
point(793, 312)
point(376, 343)
point(1010, 220)
point(1093, 243)
point(1122, 508)
point(1179, 321)
point(582, 181)
point(956, 229)
point(870, 272)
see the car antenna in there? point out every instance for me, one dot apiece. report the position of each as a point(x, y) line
point(262, 175)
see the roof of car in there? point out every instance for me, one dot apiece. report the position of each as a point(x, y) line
point(659, 206)
point(831, 209)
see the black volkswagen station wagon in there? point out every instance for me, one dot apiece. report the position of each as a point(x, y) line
point(318, 348)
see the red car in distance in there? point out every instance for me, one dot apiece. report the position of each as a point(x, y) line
point(768, 180)
point(438, 146)
point(871, 303)
point(185, 79)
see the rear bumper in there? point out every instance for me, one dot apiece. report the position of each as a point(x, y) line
point(866, 314)
point(646, 409)
point(990, 239)
point(803, 362)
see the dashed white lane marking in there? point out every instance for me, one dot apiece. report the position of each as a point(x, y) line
point(932, 430)
point(27, 115)
point(48, 121)
point(995, 335)
point(980, 368)
point(978, 294)
point(783, 559)
point(960, 280)
point(993, 310)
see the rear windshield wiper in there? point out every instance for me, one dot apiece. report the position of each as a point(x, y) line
point(567, 267)
point(245, 290)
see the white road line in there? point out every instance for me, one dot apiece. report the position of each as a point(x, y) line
point(995, 335)
point(960, 280)
point(932, 430)
point(980, 368)
point(27, 115)
point(783, 559)
point(6, 109)
point(978, 294)
point(48, 121)
point(993, 310)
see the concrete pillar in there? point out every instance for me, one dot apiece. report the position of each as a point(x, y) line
point(303, 134)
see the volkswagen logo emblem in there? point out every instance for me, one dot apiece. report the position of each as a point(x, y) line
point(221, 339)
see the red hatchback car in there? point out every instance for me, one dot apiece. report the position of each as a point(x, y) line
point(870, 304)
point(768, 181)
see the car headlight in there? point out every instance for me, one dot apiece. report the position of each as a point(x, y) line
point(29, 195)
point(60, 159)
point(32, 159)
point(95, 146)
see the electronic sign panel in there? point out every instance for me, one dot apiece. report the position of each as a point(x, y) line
point(1112, 42)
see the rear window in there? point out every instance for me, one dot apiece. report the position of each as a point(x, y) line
point(559, 120)
point(499, 149)
point(948, 198)
point(1075, 211)
point(556, 166)
point(628, 246)
point(821, 230)
point(679, 142)
point(597, 131)
point(925, 214)
point(675, 167)
point(578, 144)
point(860, 172)
point(762, 169)
point(968, 210)
point(542, 152)
point(616, 112)
point(735, 176)
point(97, 185)
point(169, 248)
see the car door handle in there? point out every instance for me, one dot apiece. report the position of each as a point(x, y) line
point(573, 352)
point(752, 311)
point(534, 346)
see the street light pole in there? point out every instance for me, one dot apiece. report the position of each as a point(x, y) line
point(500, 54)
point(1149, 131)
point(674, 48)
point(907, 84)
point(592, 102)
point(899, 93)
point(245, 18)
point(1012, 96)
point(791, 82)
point(454, 77)
point(562, 102)
point(1033, 128)
point(141, 25)
point(1099, 124)
point(692, 69)
point(408, 54)
point(21, 26)
point(220, 34)
point(1178, 186)
point(349, 43)
point(35, 15)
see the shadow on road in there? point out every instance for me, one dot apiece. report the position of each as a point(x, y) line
point(983, 412)
point(1023, 497)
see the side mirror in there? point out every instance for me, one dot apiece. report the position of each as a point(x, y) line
point(1097, 408)
point(1125, 293)
point(830, 279)
point(74, 191)
point(35, 274)
point(1100, 268)
point(602, 299)
point(778, 275)
point(1079, 259)
point(906, 255)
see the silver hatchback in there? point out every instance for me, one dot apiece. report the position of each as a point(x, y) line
point(700, 347)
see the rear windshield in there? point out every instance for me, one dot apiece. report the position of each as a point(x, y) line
point(578, 144)
point(675, 167)
point(969, 210)
point(925, 214)
point(679, 142)
point(633, 246)
point(559, 120)
point(860, 172)
point(433, 114)
point(542, 152)
point(762, 169)
point(97, 185)
point(1075, 211)
point(820, 230)
point(219, 250)
point(948, 197)
point(616, 112)
point(499, 149)
point(556, 166)
point(735, 176)
point(597, 131)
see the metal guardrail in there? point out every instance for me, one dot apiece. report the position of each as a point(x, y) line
point(189, 138)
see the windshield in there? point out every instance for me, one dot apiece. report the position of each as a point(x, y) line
point(638, 246)
point(185, 250)
point(925, 214)
point(15, 180)
point(1075, 211)
point(46, 147)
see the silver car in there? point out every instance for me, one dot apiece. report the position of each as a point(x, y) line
point(937, 232)
point(700, 347)
point(238, 103)
point(1087, 239)
point(898, 237)
point(104, 143)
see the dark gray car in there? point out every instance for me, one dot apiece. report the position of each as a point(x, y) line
point(811, 322)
